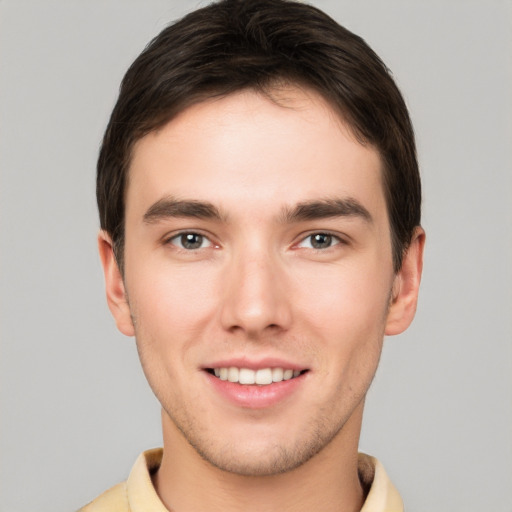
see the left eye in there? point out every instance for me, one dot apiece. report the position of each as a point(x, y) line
point(319, 241)
point(190, 241)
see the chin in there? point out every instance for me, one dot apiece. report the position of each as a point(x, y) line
point(262, 456)
point(273, 461)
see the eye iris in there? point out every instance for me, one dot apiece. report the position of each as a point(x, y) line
point(191, 240)
point(321, 240)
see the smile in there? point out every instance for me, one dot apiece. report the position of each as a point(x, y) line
point(261, 377)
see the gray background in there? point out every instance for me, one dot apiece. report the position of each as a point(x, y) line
point(75, 408)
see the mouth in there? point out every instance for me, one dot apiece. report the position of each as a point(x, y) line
point(250, 377)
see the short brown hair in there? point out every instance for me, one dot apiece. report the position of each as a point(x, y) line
point(238, 44)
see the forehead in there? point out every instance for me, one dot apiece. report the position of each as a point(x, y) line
point(257, 150)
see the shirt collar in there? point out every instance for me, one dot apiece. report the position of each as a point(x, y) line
point(382, 494)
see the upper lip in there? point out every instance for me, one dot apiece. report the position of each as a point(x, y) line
point(255, 364)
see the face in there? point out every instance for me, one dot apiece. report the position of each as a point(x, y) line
point(258, 277)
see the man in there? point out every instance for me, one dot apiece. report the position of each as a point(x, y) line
point(259, 200)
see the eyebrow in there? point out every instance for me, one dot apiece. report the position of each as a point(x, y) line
point(169, 207)
point(325, 208)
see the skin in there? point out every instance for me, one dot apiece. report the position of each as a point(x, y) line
point(256, 288)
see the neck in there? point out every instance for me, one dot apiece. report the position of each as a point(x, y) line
point(328, 481)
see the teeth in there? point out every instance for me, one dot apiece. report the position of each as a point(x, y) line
point(247, 376)
point(262, 377)
point(233, 374)
point(277, 374)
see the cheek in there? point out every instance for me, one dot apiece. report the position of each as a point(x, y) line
point(170, 310)
point(171, 304)
point(347, 311)
point(347, 296)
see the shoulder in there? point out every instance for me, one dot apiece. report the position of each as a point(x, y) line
point(113, 500)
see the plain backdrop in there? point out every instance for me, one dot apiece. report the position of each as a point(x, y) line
point(75, 407)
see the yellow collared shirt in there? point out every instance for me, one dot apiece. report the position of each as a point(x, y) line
point(137, 494)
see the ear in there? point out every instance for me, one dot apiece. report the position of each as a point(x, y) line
point(114, 285)
point(406, 286)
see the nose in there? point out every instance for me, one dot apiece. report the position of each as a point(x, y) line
point(255, 299)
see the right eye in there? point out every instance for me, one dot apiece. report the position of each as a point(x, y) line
point(190, 241)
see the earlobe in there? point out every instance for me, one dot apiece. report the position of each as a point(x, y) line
point(406, 286)
point(114, 286)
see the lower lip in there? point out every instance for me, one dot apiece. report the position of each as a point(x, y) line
point(255, 396)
